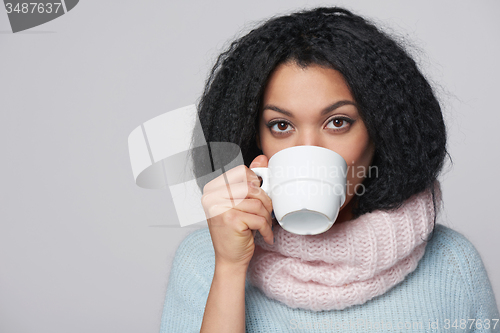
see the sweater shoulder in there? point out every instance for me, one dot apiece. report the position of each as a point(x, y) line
point(197, 242)
point(452, 254)
point(196, 249)
point(189, 283)
point(451, 248)
point(452, 244)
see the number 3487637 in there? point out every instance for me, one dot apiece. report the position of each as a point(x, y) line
point(33, 7)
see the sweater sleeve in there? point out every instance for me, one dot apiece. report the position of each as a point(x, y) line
point(477, 286)
point(189, 283)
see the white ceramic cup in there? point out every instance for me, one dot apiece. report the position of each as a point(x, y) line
point(307, 185)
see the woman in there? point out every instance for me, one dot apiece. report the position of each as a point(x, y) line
point(326, 77)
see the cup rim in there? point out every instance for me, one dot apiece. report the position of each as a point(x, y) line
point(307, 147)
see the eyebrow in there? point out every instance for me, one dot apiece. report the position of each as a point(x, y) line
point(323, 112)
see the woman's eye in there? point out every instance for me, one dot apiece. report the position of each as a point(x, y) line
point(280, 127)
point(339, 123)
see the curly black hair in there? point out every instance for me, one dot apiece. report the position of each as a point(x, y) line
point(397, 104)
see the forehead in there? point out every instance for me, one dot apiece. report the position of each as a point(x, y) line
point(310, 88)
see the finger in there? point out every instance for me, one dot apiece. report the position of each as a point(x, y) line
point(256, 222)
point(239, 174)
point(260, 161)
point(255, 206)
point(238, 191)
point(256, 192)
point(221, 200)
point(233, 194)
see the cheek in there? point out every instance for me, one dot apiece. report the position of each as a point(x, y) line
point(269, 145)
point(357, 151)
point(358, 158)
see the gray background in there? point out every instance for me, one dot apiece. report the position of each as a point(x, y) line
point(78, 252)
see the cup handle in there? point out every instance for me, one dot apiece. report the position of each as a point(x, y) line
point(264, 174)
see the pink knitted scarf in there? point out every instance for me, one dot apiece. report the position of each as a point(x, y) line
point(349, 264)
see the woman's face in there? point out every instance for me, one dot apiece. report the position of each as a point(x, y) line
point(313, 106)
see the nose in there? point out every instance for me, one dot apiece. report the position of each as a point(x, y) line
point(309, 137)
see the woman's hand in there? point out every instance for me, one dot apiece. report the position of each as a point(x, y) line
point(236, 207)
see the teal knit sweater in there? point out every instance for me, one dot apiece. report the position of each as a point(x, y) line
point(448, 292)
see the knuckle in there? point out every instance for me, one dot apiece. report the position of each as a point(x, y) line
point(252, 175)
point(252, 205)
point(256, 203)
point(212, 212)
point(219, 215)
point(254, 191)
point(240, 170)
point(259, 206)
point(267, 201)
point(207, 187)
point(262, 221)
point(230, 215)
point(205, 200)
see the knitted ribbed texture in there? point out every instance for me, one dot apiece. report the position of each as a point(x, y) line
point(448, 289)
point(449, 286)
point(349, 264)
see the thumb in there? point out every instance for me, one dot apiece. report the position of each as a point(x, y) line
point(259, 161)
